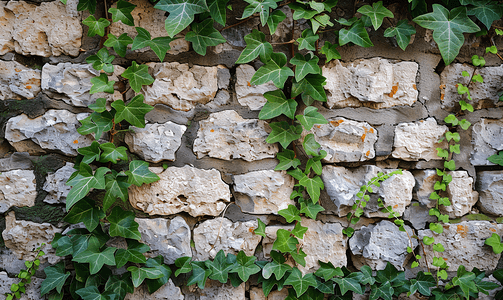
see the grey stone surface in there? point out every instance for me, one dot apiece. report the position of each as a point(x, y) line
point(166, 292)
point(17, 81)
point(251, 95)
point(425, 181)
point(156, 142)
point(17, 188)
point(376, 245)
point(223, 78)
point(214, 290)
point(10, 263)
point(418, 215)
point(461, 194)
point(169, 238)
point(486, 141)
point(55, 184)
point(490, 186)
point(188, 189)
point(16, 161)
point(226, 135)
point(263, 192)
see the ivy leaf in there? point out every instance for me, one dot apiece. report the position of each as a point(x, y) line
point(101, 84)
point(451, 119)
point(122, 224)
point(384, 291)
point(466, 106)
point(55, 278)
point(100, 105)
point(311, 85)
point(495, 158)
point(367, 275)
point(486, 11)
point(91, 153)
point(436, 227)
point(246, 266)
point(217, 10)
point(139, 173)
point(112, 153)
point(95, 258)
point(117, 186)
point(91, 293)
point(276, 267)
point(87, 5)
point(287, 160)
point(348, 284)
point(84, 182)
point(159, 45)
point(259, 6)
point(301, 11)
point(184, 265)
point(119, 44)
point(307, 40)
point(96, 123)
point(123, 12)
point(119, 285)
point(356, 34)
point(327, 270)
point(181, 13)
point(204, 35)
point(422, 284)
point(85, 211)
point(310, 209)
point(134, 112)
point(330, 51)
point(495, 242)
point(284, 242)
point(284, 133)
point(274, 19)
point(274, 70)
point(133, 253)
point(402, 32)
point(290, 214)
point(310, 145)
point(448, 28)
point(276, 105)
point(451, 165)
point(199, 276)
point(102, 60)
point(321, 20)
point(300, 283)
point(96, 27)
point(313, 186)
point(255, 46)
point(219, 267)
point(377, 12)
point(466, 283)
point(464, 124)
point(260, 230)
point(157, 263)
point(138, 275)
point(138, 76)
point(307, 64)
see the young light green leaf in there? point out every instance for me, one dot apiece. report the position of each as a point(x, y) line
point(300, 283)
point(402, 32)
point(495, 242)
point(304, 65)
point(311, 117)
point(436, 227)
point(256, 45)
point(310, 145)
point(377, 12)
point(122, 224)
point(451, 165)
point(83, 182)
point(307, 40)
point(96, 27)
point(204, 35)
point(119, 44)
point(330, 51)
point(139, 173)
point(464, 124)
point(284, 133)
point(112, 153)
point(102, 60)
point(285, 242)
point(134, 112)
point(101, 84)
point(356, 34)
point(274, 70)
point(492, 49)
point(181, 13)
point(438, 247)
point(277, 104)
point(260, 230)
point(477, 78)
point(217, 10)
point(465, 106)
point(138, 75)
point(287, 160)
point(123, 12)
point(496, 158)
point(138, 275)
point(451, 119)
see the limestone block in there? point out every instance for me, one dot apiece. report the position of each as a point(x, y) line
point(169, 238)
point(257, 293)
point(226, 135)
point(17, 81)
point(195, 191)
point(55, 130)
point(72, 83)
point(374, 83)
point(263, 192)
point(180, 86)
point(490, 187)
point(378, 244)
point(418, 215)
point(23, 237)
point(464, 245)
point(345, 140)
point(10, 263)
point(461, 194)
point(418, 140)
point(31, 29)
point(484, 94)
point(214, 290)
point(151, 19)
point(486, 141)
point(17, 188)
point(166, 292)
point(248, 94)
point(218, 234)
point(55, 184)
point(342, 185)
point(156, 142)
point(425, 182)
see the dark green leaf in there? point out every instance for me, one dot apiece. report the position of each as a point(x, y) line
point(356, 34)
point(423, 283)
point(259, 6)
point(85, 211)
point(87, 5)
point(307, 40)
point(102, 60)
point(139, 173)
point(134, 112)
point(217, 10)
point(154, 284)
point(100, 105)
point(348, 284)
point(300, 283)
point(330, 51)
point(313, 187)
point(496, 158)
point(311, 85)
point(199, 276)
point(246, 266)
point(55, 278)
point(284, 242)
point(184, 263)
point(181, 13)
point(274, 19)
point(204, 35)
point(122, 224)
point(310, 145)
point(112, 153)
point(138, 76)
point(402, 32)
point(310, 209)
point(290, 214)
point(287, 160)
point(219, 267)
point(255, 45)
point(123, 12)
point(102, 84)
point(276, 105)
point(274, 70)
point(94, 257)
point(133, 253)
point(91, 153)
point(486, 11)
point(307, 64)
point(84, 182)
point(119, 44)
point(327, 270)
point(384, 291)
point(90, 293)
point(138, 275)
point(284, 133)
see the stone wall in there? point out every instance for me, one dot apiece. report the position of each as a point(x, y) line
point(385, 110)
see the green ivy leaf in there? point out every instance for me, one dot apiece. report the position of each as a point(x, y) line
point(274, 19)
point(100, 105)
point(477, 78)
point(112, 153)
point(307, 40)
point(356, 34)
point(451, 165)
point(119, 44)
point(279, 269)
point(219, 267)
point(181, 13)
point(464, 124)
point(55, 278)
point(86, 5)
point(311, 85)
point(283, 133)
point(91, 153)
point(367, 275)
point(438, 247)
point(495, 158)
point(466, 283)
point(384, 291)
point(310, 145)
point(259, 6)
point(138, 275)
point(255, 45)
point(277, 104)
point(102, 60)
point(301, 11)
point(448, 28)
point(159, 45)
point(321, 20)
point(117, 186)
point(452, 136)
point(290, 214)
point(246, 266)
point(436, 227)
point(451, 119)
point(260, 230)
point(139, 173)
point(84, 182)
point(94, 257)
point(274, 70)
point(377, 12)
point(310, 118)
point(402, 32)
point(300, 283)
point(285, 242)
point(217, 10)
point(495, 242)
point(138, 76)
point(119, 285)
point(62, 244)
point(96, 123)
point(330, 51)
point(96, 27)
point(134, 112)
point(349, 284)
point(199, 276)
point(327, 270)
point(85, 211)
point(122, 224)
point(305, 64)
point(157, 263)
point(91, 293)
point(466, 106)
point(123, 12)
point(287, 160)
point(313, 186)
point(204, 35)
point(133, 253)
point(492, 49)
point(486, 11)
point(310, 209)
point(101, 84)
point(184, 265)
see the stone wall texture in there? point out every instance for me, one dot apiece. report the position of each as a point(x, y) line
point(204, 139)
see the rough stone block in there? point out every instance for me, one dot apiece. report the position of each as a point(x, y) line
point(180, 86)
point(166, 292)
point(257, 293)
point(425, 181)
point(226, 135)
point(17, 81)
point(418, 140)
point(195, 191)
point(218, 234)
point(55, 130)
point(461, 194)
point(55, 184)
point(490, 187)
point(17, 188)
point(418, 215)
point(486, 141)
point(248, 94)
point(30, 29)
point(263, 192)
point(214, 290)
point(156, 142)
point(374, 83)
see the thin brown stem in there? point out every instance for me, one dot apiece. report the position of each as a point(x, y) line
point(284, 43)
point(492, 42)
point(238, 23)
point(425, 259)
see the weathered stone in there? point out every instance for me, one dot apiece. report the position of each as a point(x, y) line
point(486, 141)
point(226, 135)
point(180, 86)
point(17, 161)
point(221, 98)
point(484, 94)
point(31, 29)
point(214, 290)
point(425, 181)
point(461, 194)
point(492, 293)
point(257, 293)
point(464, 245)
point(72, 83)
point(248, 94)
point(166, 292)
point(418, 215)
point(24, 237)
point(263, 192)
point(10, 263)
point(151, 19)
point(17, 188)
point(32, 290)
point(17, 81)
point(342, 185)
point(490, 187)
point(345, 140)
point(55, 130)
point(223, 78)
point(374, 83)
point(55, 184)
point(195, 191)
point(218, 234)
point(376, 245)
point(169, 238)
point(156, 142)
point(418, 140)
